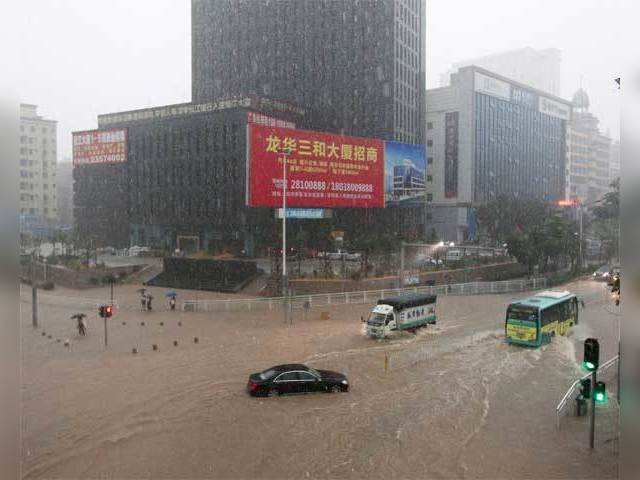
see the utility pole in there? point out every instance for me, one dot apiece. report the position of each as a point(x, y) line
point(34, 294)
point(580, 261)
point(401, 272)
point(285, 283)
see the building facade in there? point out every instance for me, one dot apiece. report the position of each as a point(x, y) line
point(487, 137)
point(589, 159)
point(353, 68)
point(38, 159)
point(539, 69)
point(357, 66)
point(64, 179)
point(183, 178)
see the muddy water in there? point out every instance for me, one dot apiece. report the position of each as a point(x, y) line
point(455, 401)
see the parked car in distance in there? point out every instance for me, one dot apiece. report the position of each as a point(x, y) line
point(293, 379)
point(422, 261)
point(602, 273)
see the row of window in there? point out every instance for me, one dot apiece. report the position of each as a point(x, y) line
point(178, 141)
point(559, 312)
point(43, 129)
point(526, 160)
point(36, 211)
point(32, 186)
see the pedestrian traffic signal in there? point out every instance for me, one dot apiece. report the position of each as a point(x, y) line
point(600, 392)
point(591, 354)
point(105, 311)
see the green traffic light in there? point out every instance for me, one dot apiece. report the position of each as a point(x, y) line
point(600, 392)
point(589, 366)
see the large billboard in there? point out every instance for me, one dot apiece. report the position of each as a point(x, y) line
point(405, 173)
point(100, 146)
point(323, 170)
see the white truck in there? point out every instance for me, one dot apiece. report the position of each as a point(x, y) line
point(408, 312)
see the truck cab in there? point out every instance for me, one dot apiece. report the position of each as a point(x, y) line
point(381, 321)
point(408, 313)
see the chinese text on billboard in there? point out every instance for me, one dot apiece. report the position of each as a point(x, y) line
point(100, 146)
point(323, 170)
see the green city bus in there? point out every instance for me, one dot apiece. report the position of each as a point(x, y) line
point(534, 320)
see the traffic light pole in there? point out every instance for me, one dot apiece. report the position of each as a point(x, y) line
point(34, 306)
point(592, 433)
point(105, 332)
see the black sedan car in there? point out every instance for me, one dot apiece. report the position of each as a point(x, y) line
point(293, 379)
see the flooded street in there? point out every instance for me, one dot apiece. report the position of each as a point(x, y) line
point(454, 402)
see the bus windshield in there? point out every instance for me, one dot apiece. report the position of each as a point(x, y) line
point(522, 312)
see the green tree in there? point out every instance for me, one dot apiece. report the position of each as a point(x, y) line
point(534, 231)
point(606, 221)
point(432, 237)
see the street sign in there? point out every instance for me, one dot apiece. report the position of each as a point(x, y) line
point(306, 213)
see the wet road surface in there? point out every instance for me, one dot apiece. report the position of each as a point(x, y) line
point(455, 402)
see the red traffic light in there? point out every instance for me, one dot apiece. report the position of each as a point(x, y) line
point(105, 311)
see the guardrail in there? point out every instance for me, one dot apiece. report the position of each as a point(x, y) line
point(360, 297)
point(564, 402)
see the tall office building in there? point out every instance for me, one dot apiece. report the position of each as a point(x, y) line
point(488, 136)
point(38, 157)
point(358, 66)
point(588, 169)
point(539, 69)
point(354, 67)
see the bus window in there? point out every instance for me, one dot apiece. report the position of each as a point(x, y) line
point(519, 312)
point(551, 314)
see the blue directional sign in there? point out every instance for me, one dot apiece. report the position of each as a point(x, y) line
point(306, 213)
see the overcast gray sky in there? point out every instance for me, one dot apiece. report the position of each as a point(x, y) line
point(78, 58)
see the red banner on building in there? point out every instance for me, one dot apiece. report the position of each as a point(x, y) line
point(100, 146)
point(323, 170)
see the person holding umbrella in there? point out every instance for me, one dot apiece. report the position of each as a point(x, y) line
point(143, 299)
point(81, 324)
point(172, 299)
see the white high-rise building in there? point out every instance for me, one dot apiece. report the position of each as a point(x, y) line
point(589, 154)
point(539, 69)
point(38, 158)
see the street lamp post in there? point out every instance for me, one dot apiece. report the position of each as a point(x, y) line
point(285, 283)
point(580, 260)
